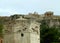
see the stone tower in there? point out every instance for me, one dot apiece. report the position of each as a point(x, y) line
point(22, 31)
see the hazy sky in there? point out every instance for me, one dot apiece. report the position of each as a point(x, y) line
point(10, 7)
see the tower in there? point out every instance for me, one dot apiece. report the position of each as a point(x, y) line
point(23, 31)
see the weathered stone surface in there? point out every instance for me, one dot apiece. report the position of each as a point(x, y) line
point(23, 31)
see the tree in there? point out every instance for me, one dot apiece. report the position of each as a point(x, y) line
point(48, 34)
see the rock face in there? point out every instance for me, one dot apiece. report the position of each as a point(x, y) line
point(26, 28)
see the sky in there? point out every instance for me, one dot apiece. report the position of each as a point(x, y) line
point(10, 7)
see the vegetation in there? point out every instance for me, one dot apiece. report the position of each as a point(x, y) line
point(15, 16)
point(1, 28)
point(49, 34)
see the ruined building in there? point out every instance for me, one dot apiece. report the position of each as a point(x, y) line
point(26, 28)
